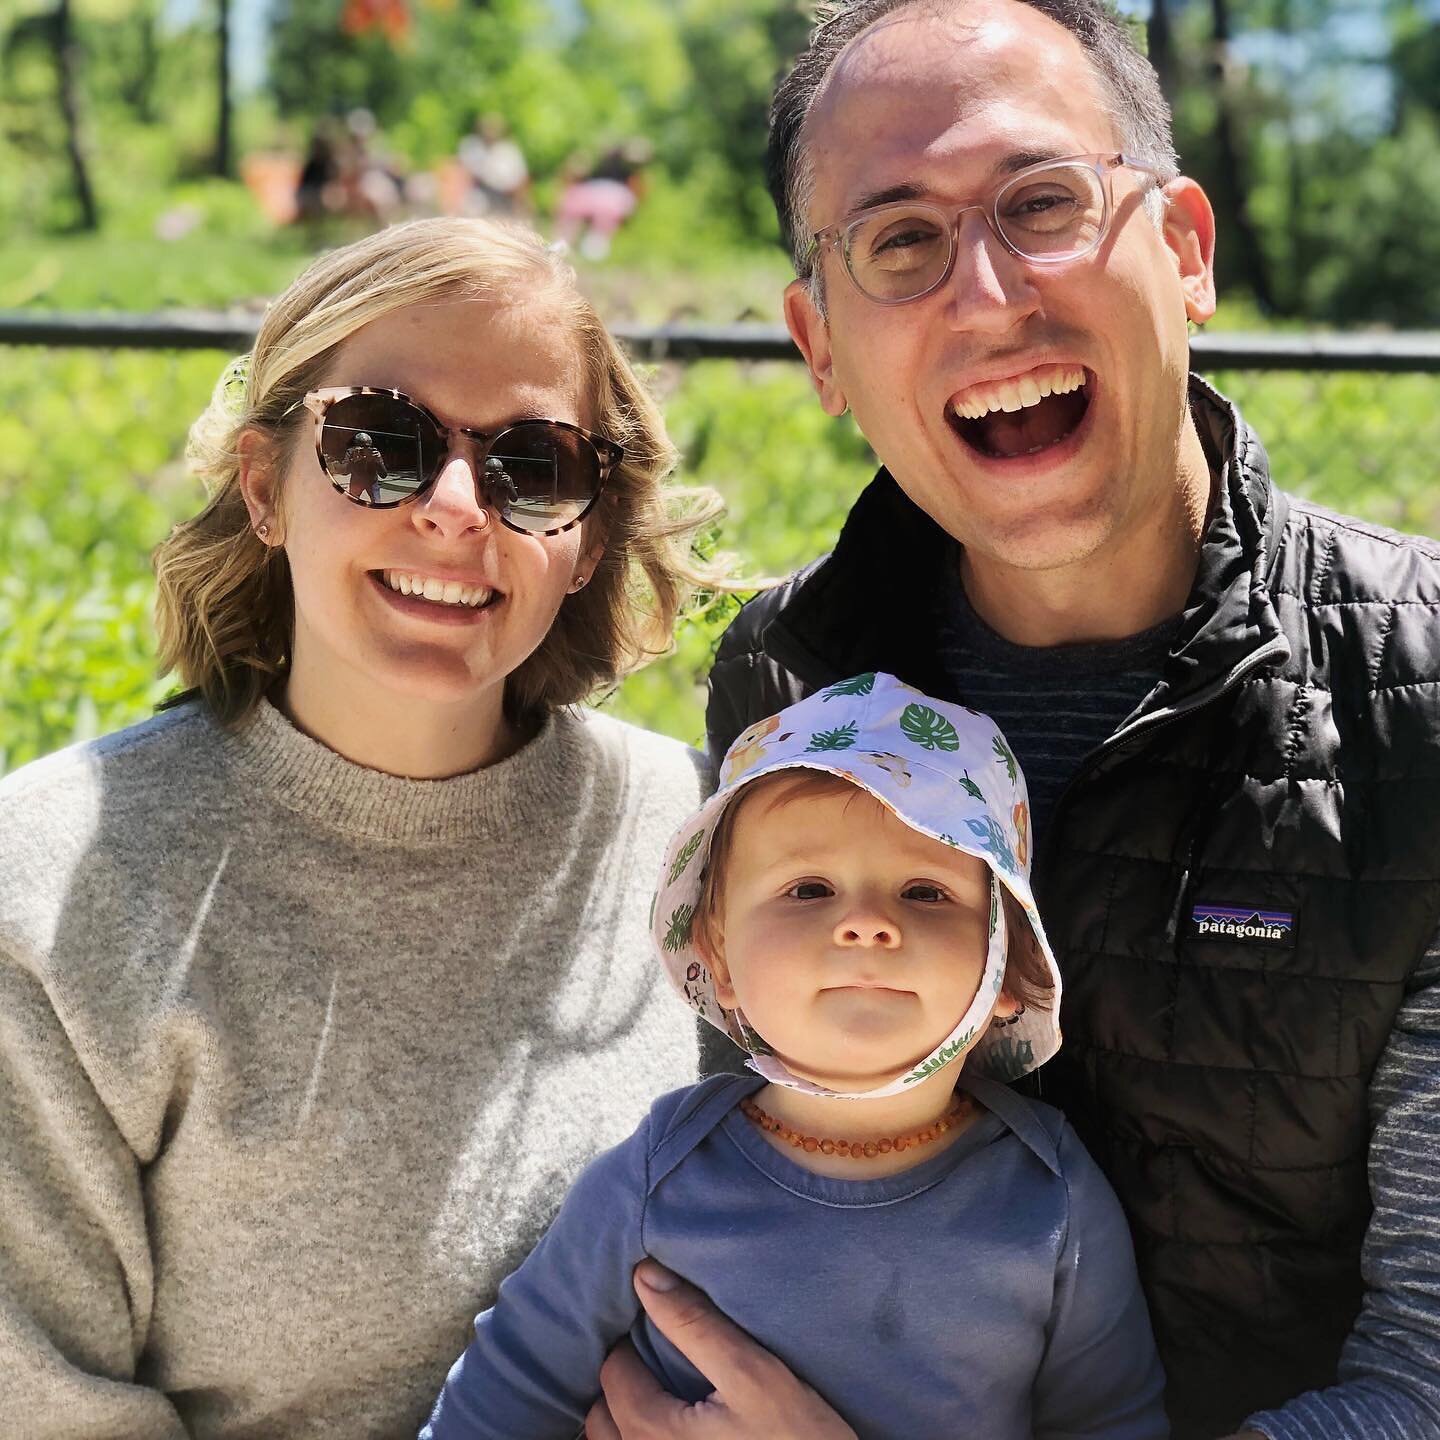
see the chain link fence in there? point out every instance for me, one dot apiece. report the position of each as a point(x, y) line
point(92, 475)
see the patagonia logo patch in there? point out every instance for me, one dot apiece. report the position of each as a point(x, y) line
point(1239, 922)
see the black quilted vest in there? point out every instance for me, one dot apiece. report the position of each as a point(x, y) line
point(1237, 885)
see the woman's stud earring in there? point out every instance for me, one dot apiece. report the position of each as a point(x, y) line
point(262, 530)
point(578, 583)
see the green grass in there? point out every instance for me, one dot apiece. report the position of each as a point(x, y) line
point(91, 272)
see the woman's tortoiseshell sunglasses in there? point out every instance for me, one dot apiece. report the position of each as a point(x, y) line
point(381, 448)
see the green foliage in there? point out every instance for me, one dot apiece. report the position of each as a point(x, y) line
point(88, 484)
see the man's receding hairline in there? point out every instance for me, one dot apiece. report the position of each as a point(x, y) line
point(804, 192)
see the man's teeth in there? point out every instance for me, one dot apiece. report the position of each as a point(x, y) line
point(1019, 392)
point(446, 592)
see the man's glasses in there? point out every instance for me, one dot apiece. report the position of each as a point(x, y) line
point(1047, 214)
point(381, 448)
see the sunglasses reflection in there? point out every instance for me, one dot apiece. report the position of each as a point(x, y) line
point(364, 467)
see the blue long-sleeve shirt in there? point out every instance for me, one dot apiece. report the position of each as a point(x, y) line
point(989, 1290)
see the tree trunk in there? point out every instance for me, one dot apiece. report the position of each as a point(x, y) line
point(67, 65)
point(1160, 42)
point(1233, 169)
point(224, 159)
point(144, 91)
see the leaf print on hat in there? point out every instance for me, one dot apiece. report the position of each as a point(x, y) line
point(942, 1057)
point(686, 855)
point(993, 841)
point(677, 937)
point(928, 728)
point(755, 1042)
point(971, 788)
point(841, 738)
point(1006, 1059)
point(1006, 758)
point(859, 685)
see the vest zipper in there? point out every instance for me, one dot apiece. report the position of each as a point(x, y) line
point(1145, 724)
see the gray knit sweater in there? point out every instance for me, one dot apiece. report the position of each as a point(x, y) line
point(297, 1060)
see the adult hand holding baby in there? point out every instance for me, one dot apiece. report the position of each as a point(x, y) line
point(755, 1396)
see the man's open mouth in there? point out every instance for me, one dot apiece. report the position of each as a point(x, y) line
point(1022, 414)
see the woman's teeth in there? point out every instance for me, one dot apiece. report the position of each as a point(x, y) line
point(443, 592)
point(1019, 392)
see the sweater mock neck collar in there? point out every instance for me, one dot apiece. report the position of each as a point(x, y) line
point(272, 757)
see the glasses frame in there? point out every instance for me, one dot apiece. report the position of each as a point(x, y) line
point(1104, 165)
point(480, 443)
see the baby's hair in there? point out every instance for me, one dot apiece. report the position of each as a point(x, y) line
point(1027, 976)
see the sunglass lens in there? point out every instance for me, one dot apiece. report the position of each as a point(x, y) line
point(543, 476)
point(380, 450)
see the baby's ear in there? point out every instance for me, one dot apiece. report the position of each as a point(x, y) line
point(709, 942)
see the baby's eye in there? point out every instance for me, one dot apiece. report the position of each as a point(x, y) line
point(923, 890)
point(809, 890)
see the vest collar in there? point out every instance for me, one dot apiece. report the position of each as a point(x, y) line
point(867, 606)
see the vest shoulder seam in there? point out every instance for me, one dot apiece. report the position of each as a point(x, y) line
point(1240, 1070)
point(1376, 604)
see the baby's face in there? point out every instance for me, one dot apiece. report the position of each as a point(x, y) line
point(852, 943)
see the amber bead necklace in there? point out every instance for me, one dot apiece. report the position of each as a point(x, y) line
point(857, 1149)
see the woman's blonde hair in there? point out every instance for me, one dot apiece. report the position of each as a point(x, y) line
point(225, 607)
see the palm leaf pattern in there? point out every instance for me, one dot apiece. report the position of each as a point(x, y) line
point(678, 935)
point(992, 840)
point(685, 856)
point(841, 738)
point(1006, 1059)
point(928, 728)
point(858, 685)
point(942, 1057)
point(971, 788)
point(1003, 754)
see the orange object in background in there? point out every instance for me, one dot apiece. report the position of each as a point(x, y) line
point(271, 179)
point(390, 16)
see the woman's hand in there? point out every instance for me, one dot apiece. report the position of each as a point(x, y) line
point(755, 1396)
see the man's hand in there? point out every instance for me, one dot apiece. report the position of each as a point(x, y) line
point(755, 1396)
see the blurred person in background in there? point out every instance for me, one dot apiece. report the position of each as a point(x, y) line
point(598, 199)
point(499, 176)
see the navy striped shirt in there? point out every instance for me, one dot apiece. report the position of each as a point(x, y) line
point(1056, 704)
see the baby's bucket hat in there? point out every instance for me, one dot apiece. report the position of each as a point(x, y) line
point(944, 770)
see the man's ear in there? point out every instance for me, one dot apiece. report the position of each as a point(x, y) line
point(1189, 229)
point(709, 943)
point(258, 485)
point(811, 333)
